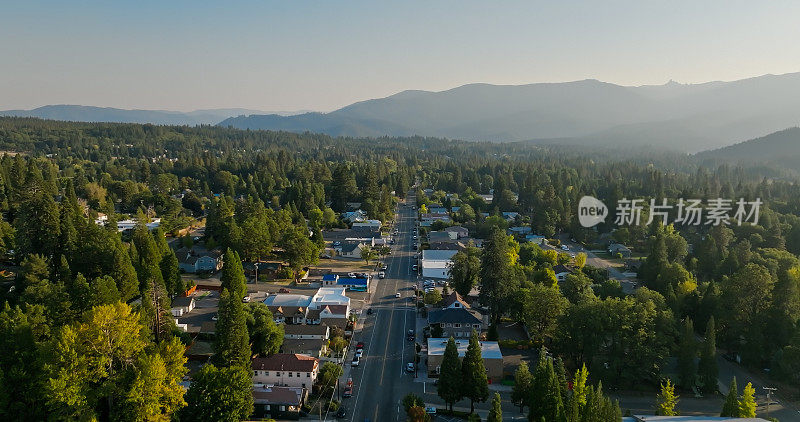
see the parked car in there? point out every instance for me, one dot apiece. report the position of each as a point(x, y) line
point(414, 267)
point(397, 294)
point(355, 362)
point(348, 392)
point(410, 367)
point(247, 299)
point(384, 267)
point(410, 336)
point(359, 353)
point(381, 274)
point(284, 290)
point(360, 344)
point(564, 248)
point(369, 311)
point(342, 412)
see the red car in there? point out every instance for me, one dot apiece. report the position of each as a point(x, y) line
point(359, 345)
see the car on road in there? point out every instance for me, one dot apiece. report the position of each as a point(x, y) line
point(397, 294)
point(381, 274)
point(359, 353)
point(414, 267)
point(360, 345)
point(415, 237)
point(369, 311)
point(284, 290)
point(355, 362)
point(384, 267)
point(348, 392)
point(342, 412)
point(337, 243)
point(410, 336)
point(430, 410)
point(564, 248)
point(214, 317)
point(410, 367)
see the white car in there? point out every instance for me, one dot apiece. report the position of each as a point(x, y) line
point(397, 294)
point(381, 274)
point(359, 353)
point(410, 367)
point(355, 362)
point(246, 299)
point(564, 248)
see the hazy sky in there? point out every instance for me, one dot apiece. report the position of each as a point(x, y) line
point(321, 55)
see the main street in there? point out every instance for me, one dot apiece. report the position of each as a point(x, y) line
point(380, 381)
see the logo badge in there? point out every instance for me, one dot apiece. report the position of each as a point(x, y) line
point(591, 211)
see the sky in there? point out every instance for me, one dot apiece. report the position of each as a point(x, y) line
point(322, 55)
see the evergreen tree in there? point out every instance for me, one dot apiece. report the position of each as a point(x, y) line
point(730, 408)
point(231, 345)
point(687, 351)
point(707, 368)
point(747, 402)
point(450, 383)
point(219, 394)
point(667, 400)
point(232, 277)
point(579, 385)
point(496, 276)
point(522, 385)
point(473, 373)
point(496, 413)
point(539, 387)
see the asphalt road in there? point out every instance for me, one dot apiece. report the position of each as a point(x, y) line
point(380, 381)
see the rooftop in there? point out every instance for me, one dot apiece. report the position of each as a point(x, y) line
point(438, 255)
point(489, 349)
point(288, 300)
point(285, 362)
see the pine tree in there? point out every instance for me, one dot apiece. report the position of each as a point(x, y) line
point(449, 387)
point(496, 414)
point(522, 385)
point(233, 275)
point(171, 273)
point(707, 368)
point(579, 385)
point(687, 350)
point(561, 378)
point(667, 400)
point(553, 405)
point(232, 343)
point(730, 408)
point(539, 387)
point(747, 402)
point(475, 384)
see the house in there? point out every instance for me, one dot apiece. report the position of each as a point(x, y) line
point(520, 230)
point(562, 271)
point(510, 216)
point(305, 332)
point(456, 318)
point(437, 210)
point(431, 217)
point(288, 308)
point(340, 324)
point(535, 238)
point(354, 216)
point(616, 249)
point(199, 259)
point(268, 269)
point(442, 236)
point(352, 249)
point(460, 231)
point(436, 263)
point(351, 233)
point(278, 402)
point(312, 346)
point(371, 224)
point(326, 296)
point(447, 246)
point(330, 279)
point(130, 224)
point(182, 305)
point(488, 198)
point(490, 351)
point(285, 369)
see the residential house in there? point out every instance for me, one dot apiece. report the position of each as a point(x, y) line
point(510, 216)
point(442, 236)
point(457, 318)
point(490, 351)
point(460, 231)
point(431, 217)
point(284, 403)
point(372, 224)
point(535, 238)
point(436, 263)
point(365, 233)
point(182, 305)
point(352, 249)
point(285, 369)
point(331, 296)
point(616, 249)
point(199, 259)
point(354, 283)
point(330, 279)
point(488, 198)
point(437, 210)
point(562, 271)
point(311, 340)
point(447, 246)
point(288, 308)
point(520, 230)
point(354, 216)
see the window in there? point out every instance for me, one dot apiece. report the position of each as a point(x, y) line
point(277, 374)
point(448, 324)
point(298, 375)
point(255, 373)
point(308, 374)
point(457, 325)
point(290, 374)
point(266, 373)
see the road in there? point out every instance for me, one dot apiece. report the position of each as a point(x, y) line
point(380, 380)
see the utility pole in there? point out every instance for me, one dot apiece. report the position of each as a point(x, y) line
point(769, 391)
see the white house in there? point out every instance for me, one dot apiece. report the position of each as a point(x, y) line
point(182, 305)
point(436, 263)
point(285, 369)
point(373, 224)
point(334, 296)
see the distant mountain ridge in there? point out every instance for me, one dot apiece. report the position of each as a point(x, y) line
point(676, 116)
point(80, 113)
point(776, 150)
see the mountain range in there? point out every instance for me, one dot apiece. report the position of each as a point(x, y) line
point(776, 151)
point(79, 113)
point(684, 117)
